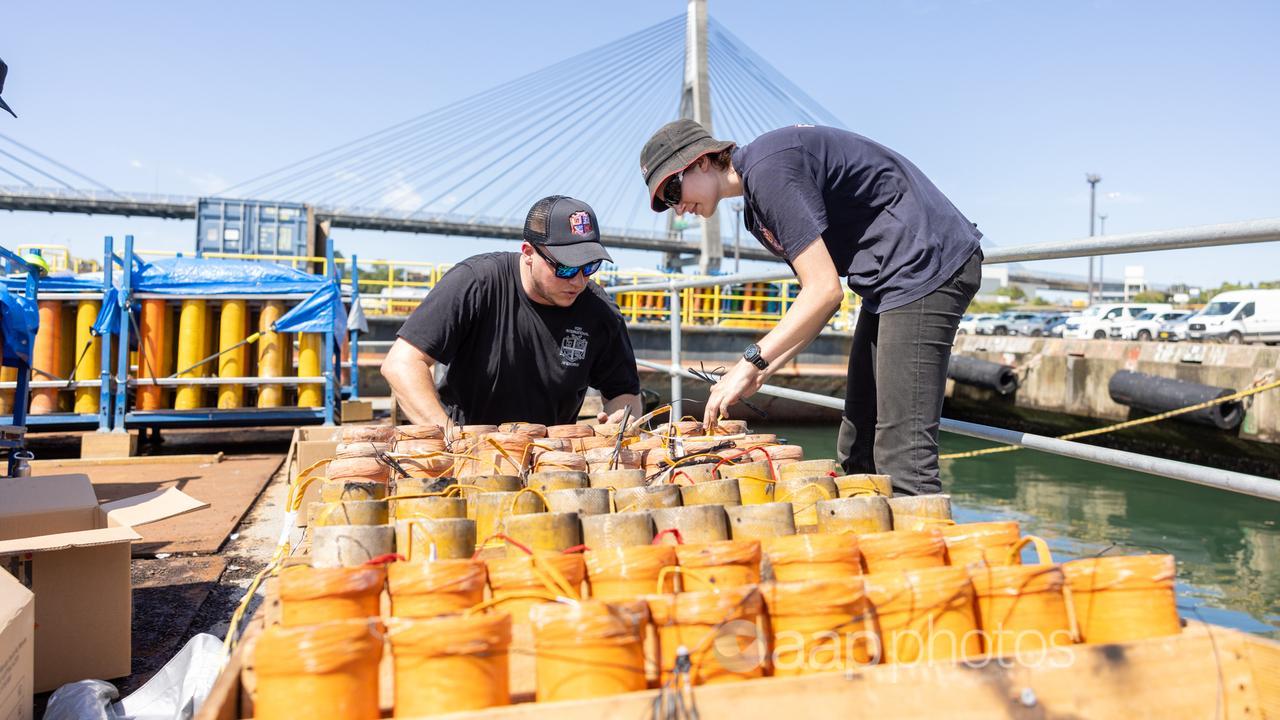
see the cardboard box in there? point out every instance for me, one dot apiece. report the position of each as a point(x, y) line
point(74, 555)
point(17, 649)
point(310, 445)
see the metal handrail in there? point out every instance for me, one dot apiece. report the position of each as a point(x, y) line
point(1257, 486)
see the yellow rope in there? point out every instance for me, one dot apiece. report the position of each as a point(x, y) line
point(1121, 426)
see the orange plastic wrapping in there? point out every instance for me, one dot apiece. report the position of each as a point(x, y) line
point(984, 543)
point(315, 671)
point(1021, 608)
point(925, 615)
point(450, 664)
point(813, 556)
point(559, 460)
point(315, 595)
point(352, 434)
point(723, 564)
point(902, 550)
point(515, 581)
point(501, 453)
point(820, 625)
point(430, 589)
point(625, 573)
point(573, 431)
point(531, 430)
point(1123, 597)
point(431, 467)
point(588, 649)
point(412, 439)
point(352, 466)
point(720, 628)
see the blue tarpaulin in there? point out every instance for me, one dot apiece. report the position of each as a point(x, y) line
point(322, 312)
point(189, 276)
point(108, 322)
point(19, 318)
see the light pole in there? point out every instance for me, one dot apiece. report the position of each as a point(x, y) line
point(737, 236)
point(1093, 180)
point(1102, 276)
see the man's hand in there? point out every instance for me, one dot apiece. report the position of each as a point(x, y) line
point(615, 407)
point(739, 383)
point(605, 418)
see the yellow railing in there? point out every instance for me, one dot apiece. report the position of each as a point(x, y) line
point(59, 257)
point(396, 287)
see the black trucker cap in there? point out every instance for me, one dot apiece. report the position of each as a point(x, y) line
point(4, 70)
point(675, 146)
point(566, 229)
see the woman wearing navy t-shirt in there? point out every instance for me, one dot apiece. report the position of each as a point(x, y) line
point(911, 256)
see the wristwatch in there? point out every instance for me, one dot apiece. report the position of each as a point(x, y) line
point(752, 355)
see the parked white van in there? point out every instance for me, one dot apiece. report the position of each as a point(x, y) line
point(1239, 316)
point(1095, 322)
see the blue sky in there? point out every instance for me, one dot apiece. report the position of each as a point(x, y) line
point(1005, 104)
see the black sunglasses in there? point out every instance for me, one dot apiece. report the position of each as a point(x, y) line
point(673, 190)
point(568, 272)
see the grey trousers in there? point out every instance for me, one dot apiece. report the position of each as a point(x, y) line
point(897, 377)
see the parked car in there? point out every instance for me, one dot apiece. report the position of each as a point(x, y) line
point(1096, 321)
point(1002, 324)
point(1176, 330)
point(1145, 326)
point(1239, 316)
point(1038, 325)
point(969, 323)
point(1057, 326)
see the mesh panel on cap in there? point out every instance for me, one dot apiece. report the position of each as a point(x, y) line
point(538, 221)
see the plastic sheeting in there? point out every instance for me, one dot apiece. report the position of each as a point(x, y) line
point(322, 312)
point(189, 276)
point(19, 320)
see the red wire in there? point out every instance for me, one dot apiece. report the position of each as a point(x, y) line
point(657, 539)
point(505, 538)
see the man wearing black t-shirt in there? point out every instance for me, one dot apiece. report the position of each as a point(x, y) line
point(523, 335)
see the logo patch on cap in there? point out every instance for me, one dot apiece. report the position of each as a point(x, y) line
point(580, 223)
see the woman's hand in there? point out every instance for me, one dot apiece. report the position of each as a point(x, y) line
point(739, 383)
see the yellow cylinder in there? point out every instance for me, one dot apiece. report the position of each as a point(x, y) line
point(191, 350)
point(272, 347)
point(45, 355)
point(448, 665)
point(90, 359)
point(7, 374)
point(310, 352)
point(152, 331)
point(233, 363)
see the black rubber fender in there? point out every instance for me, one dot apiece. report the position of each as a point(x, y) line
point(1155, 394)
point(983, 373)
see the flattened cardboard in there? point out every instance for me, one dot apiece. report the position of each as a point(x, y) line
point(311, 445)
point(80, 576)
point(151, 507)
point(17, 649)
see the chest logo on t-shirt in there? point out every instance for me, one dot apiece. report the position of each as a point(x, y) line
point(573, 348)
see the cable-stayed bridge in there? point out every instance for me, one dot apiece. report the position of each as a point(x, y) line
point(474, 167)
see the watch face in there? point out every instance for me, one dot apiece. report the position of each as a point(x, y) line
point(752, 352)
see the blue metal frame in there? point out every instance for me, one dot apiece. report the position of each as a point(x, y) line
point(353, 337)
point(125, 418)
point(104, 390)
point(21, 393)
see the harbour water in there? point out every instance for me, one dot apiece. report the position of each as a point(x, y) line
point(1227, 545)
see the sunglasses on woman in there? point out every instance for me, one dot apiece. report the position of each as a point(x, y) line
point(673, 190)
point(568, 272)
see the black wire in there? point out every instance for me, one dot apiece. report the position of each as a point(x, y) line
point(713, 376)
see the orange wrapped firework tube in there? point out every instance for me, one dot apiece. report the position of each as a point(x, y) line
point(367, 433)
point(532, 430)
point(697, 620)
point(1120, 598)
point(1021, 607)
point(518, 583)
point(820, 625)
point(315, 671)
point(450, 664)
point(627, 572)
point(724, 564)
point(602, 459)
point(925, 614)
point(416, 439)
point(309, 596)
point(813, 556)
point(588, 649)
point(983, 543)
point(431, 589)
point(902, 550)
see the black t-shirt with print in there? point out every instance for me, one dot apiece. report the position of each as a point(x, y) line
point(511, 359)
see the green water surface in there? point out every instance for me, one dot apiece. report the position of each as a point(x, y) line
point(1227, 545)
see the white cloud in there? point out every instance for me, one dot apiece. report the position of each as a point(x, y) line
point(135, 163)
